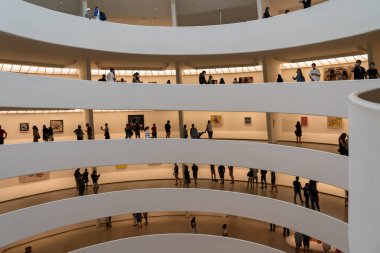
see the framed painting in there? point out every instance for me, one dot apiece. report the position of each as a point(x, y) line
point(57, 126)
point(247, 120)
point(134, 120)
point(304, 121)
point(33, 177)
point(24, 127)
point(217, 120)
point(334, 123)
point(246, 79)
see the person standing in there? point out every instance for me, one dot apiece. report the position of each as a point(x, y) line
point(280, 79)
point(285, 231)
point(272, 227)
point(139, 218)
point(76, 176)
point(195, 168)
point(106, 131)
point(306, 194)
point(103, 79)
point(146, 132)
point(314, 74)
point(81, 185)
point(209, 130)
point(343, 144)
point(314, 195)
point(221, 171)
point(306, 243)
point(250, 178)
point(255, 176)
point(36, 134)
point(266, 13)
point(154, 131)
point(299, 76)
point(168, 128)
point(263, 178)
point(306, 3)
point(3, 135)
point(128, 131)
point(145, 215)
point(235, 81)
point(359, 71)
point(88, 13)
point(111, 76)
point(231, 172)
point(213, 174)
point(298, 238)
point(202, 78)
point(298, 133)
point(297, 190)
point(186, 175)
point(176, 174)
point(222, 81)
point(185, 132)
point(97, 13)
point(79, 133)
point(136, 78)
point(224, 227)
point(194, 132)
point(273, 181)
point(210, 80)
point(372, 72)
point(45, 133)
point(137, 131)
point(51, 134)
point(193, 224)
point(89, 131)
point(108, 221)
point(85, 178)
point(28, 249)
point(95, 178)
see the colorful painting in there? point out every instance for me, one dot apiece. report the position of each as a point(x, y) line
point(247, 79)
point(217, 120)
point(247, 120)
point(337, 73)
point(134, 120)
point(334, 123)
point(121, 166)
point(24, 127)
point(304, 121)
point(33, 177)
point(57, 126)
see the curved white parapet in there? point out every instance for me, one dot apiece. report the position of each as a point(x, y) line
point(37, 23)
point(31, 221)
point(23, 159)
point(327, 99)
point(188, 243)
point(364, 172)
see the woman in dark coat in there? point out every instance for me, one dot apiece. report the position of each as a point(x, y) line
point(298, 133)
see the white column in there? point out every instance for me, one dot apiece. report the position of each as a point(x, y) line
point(178, 75)
point(174, 13)
point(373, 51)
point(220, 17)
point(271, 68)
point(364, 174)
point(259, 8)
point(83, 7)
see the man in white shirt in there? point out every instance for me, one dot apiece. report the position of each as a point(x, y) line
point(314, 74)
point(111, 76)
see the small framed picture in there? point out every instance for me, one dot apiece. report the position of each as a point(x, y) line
point(304, 121)
point(57, 126)
point(247, 120)
point(24, 127)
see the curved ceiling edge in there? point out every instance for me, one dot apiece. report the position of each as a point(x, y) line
point(27, 222)
point(324, 99)
point(37, 23)
point(163, 243)
point(320, 166)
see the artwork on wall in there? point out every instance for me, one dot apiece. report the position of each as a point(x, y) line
point(304, 121)
point(338, 72)
point(247, 79)
point(57, 126)
point(33, 177)
point(134, 120)
point(121, 166)
point(247, 120)
point(24, 127)
point(334, 123)
point(217, 120)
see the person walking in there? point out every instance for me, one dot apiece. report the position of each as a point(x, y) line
point(3, 135)
point(298, 133)
point(85, 178)
point(221, 171)
point(89, 132)
point(154, 131)
point(79, 133)
point(51, 134)
point(185, 132)
point(263, 178)
point(193, 224)
point(224, 227)
point(176, 174)
point(186, 175)
point(306, 194)
point(273, 181)
point(231, 172)
point(314, 74)
point(106, 131)
point(298, 238)
point(45, 133)
point(213, 174)
point(297, 190)
point(128, 131)
point(95, 178)
point(195, 168)
point(36, 134)
point(209, 130)
point(194, 132)
point(168, 128)
point(250, 178)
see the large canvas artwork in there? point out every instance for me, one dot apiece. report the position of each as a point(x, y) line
point(338, 71)
point(33, 177)
point(217, 120)
point(134, 120)
point(57, 126)
point(334, 123)
point(246, 79)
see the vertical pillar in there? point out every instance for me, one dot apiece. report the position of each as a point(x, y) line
point(83, 7)
point(271, 68)
point(178, 75)
point(259, 4)
point(373, 51)
point(174, 12)
point(220, 17)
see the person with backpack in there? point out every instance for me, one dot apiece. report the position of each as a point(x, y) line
point(79, 133)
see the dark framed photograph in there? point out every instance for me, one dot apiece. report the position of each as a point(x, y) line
point(57, 126)
point(247, 120)
point(134, 120)
point(24, 127)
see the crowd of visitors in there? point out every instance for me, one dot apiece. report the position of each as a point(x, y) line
point(82, 179)
point(97, 15)
point(310, 193)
